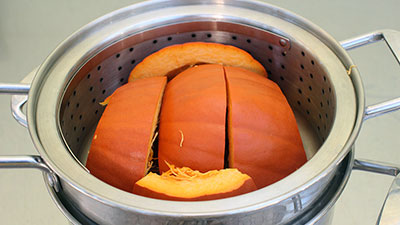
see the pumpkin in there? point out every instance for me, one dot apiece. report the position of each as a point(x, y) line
point(192, 120)
point(219, 110)
point(264, 141)
point(171, 60)
point(120, 153)
point(185, 184)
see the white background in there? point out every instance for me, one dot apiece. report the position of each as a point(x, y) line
point(30, 30)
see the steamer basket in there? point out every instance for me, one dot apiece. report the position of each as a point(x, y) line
point(310, 67)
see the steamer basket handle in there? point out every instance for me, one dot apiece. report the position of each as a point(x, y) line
point(392, 39)
point(19, 98)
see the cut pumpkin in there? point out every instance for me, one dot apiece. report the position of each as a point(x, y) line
point(121, 152)
point(171, 60)
point(192, 120)
point(219, 112)
point(185, 184)
point(264, 141)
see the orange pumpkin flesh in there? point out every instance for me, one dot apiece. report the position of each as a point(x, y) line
point(177, 57)
point(264, 140)
point(185, 184)
point(192, 120)
point(121, 146)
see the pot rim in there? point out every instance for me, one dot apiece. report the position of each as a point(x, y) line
point(39, 114)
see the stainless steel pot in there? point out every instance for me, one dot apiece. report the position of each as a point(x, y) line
point(320, 213)
point(310, 67)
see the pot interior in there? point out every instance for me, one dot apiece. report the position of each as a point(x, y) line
point(299, 73)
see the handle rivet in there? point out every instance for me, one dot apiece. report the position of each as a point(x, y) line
point(283, 42)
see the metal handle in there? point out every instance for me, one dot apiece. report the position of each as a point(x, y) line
point(14, 88)
point(376, 167)
point(392, 39)
point(390, 210)
point(19, 97)
point(17, 103)
point(31, 162)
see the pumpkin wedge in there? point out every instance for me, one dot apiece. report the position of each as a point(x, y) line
point(264, 141)
point(121, 152)
point(171, 60)
point(192, 120)
point(185, 184)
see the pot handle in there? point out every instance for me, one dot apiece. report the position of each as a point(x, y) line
point(389, 213)
point(392, 39)
point(32, 162)
point(18, 99)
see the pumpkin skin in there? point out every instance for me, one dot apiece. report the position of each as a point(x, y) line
point(264, 141)
point(192, 120)
point(184, 184)
point(171, 60)
point(121, 146)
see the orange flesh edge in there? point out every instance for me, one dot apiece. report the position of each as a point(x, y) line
point(175, 57)
point(121, 147)
point(187, 184)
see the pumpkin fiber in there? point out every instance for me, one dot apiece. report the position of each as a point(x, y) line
point(185, 184)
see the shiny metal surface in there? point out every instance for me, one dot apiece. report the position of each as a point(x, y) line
point(18, 101)
point(14, 88)
point(376, 167)
point(34, 162)
point(319, 214)
point(390, 210)
point(325, 206)
point(392, 39)
point(19, 98)
point(382, 108)
point(30, 162)
point(17, 104)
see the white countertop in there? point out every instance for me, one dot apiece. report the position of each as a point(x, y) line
point(30, 30)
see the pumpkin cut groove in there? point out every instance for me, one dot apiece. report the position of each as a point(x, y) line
point(192, 120)
point(226, 155)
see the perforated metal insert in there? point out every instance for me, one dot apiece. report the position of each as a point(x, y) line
point(297, 71)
